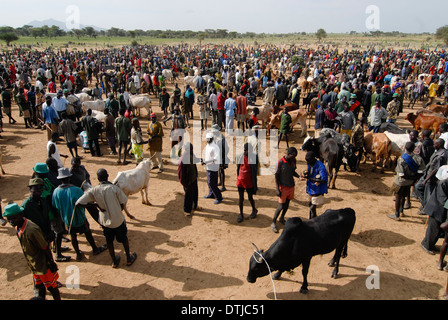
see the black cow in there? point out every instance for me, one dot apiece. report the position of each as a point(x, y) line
point(301, 240)
point(392, 128)
point(330, 152)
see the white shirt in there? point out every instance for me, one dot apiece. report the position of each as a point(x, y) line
point(444, 136)
point(56, 155)
point(212, 156)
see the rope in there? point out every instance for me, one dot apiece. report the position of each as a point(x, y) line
point(269, 268)
point(74, 208)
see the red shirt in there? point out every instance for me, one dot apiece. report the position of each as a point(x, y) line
point(221, 101)
point(244, 179)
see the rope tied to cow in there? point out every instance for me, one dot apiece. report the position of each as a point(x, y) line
point(256, 251)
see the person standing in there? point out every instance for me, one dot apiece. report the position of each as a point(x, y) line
point(316, 177)
point(109, 129)
point(50, 117)
point(123, 128)
point(348, 121)
point(188, 176)
point(285, 126)
point(60, 103)
point(230, 107)
point(110, 200)
point(6, 101)
point(410, 167)
point(247, 168)
point(155, 132)
point(90, 126)
point(212, 162)
point(64, 199)
point(393, 108)
point(53, 151)
point(68, 128)
point(24, 108)
point(221, 99)
point(285, 185)
point(377, 116)
point(213, 102)
point(164, 101)
point(241, 111)
point(203, 108)
point(36, 251)
point(177, 131)
point(137, 140)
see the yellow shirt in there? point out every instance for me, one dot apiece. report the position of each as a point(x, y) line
point(433, 89)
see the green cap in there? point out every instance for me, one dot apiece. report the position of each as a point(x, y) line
point(41, 168)
point(36, 182)
point(11, 210)
point(353, 95)
point(395, 95)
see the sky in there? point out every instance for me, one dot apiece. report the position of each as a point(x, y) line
point(260, 16)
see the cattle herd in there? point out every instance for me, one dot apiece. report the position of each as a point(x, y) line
point(313, 79)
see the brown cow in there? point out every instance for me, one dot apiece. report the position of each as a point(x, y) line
point(438, 108)
point(297, 116)
point(291, 107)
point(379, 147)
point(424, 121)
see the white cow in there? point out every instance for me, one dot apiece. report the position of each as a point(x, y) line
point(98, 105)
point(168, 75)
point(135, 180)
point(98, 115)
point(398, 142)
point(83, 96)
point(140, 101)
point(265, 112)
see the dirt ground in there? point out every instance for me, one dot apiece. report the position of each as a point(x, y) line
point(206, 256)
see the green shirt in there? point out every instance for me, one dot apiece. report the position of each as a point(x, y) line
point(38, 212)
point(123, 126)
point(285, 123)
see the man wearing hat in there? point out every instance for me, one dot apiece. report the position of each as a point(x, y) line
point(36, 251)
point(212, 162)
point(64, 199)
point(41, 171)
point(155, 132)
point(393, 108)
point(221, 142)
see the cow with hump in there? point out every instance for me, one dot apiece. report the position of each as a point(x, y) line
point(301, 240)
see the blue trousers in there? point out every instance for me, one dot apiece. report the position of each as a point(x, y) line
point(212, 181)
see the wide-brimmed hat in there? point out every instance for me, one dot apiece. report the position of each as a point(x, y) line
point(40, 168)
point(63, 173)
point(11, 210)
point(216, 127)
point(35, 182)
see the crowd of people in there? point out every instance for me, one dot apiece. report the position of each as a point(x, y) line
point(356, 90)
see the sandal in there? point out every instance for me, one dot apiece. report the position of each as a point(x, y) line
point(99, 250)
point(131, 260)
point(116, 262)
point(63, 259)
point(80, 256)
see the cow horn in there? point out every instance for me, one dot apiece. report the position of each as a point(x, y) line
point(256, 248)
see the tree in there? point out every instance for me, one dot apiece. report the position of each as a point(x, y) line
point(9, 37)
point(90, 31)
point(320, 34)
point(442, 34)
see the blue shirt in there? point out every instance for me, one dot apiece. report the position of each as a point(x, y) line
point(64, 199)
point(49, 114)
point(230, 106)
point(318, 171)
point(60, 104)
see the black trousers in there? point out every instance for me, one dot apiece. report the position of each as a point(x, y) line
point(92, 148)
point(191, 197)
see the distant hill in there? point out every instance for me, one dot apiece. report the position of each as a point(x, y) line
point(60, 24)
